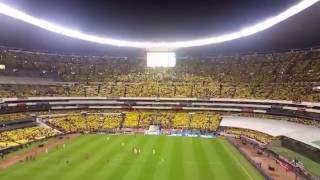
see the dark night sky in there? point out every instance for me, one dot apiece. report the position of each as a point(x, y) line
point(160, 20)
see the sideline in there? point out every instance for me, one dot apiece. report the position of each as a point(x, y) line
point(35, 151)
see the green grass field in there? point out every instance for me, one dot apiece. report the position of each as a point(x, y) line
point(178, 158)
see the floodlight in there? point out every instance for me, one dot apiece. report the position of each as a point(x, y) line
point(161, 59)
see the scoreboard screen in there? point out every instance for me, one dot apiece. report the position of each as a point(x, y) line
point(161, 59)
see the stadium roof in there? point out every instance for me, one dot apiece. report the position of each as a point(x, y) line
point(280, 14)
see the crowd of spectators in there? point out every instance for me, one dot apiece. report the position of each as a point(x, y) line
point(15, 116)
point(258, 136)
point(205, 121)
point(290, 75)
point(23, 136)
point(94, 122)
point(86, 122)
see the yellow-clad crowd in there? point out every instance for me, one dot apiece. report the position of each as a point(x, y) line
point(87, 122)
point(176, 120)
point(286, 76)
point(93, 122)
point(259, 136)
point(22, 136)
point(14, 116)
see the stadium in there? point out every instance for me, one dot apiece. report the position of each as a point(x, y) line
point(151, 101)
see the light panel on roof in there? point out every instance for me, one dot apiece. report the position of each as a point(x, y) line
point(266, 24)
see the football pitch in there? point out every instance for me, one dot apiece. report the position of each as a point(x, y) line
point(97, 157)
